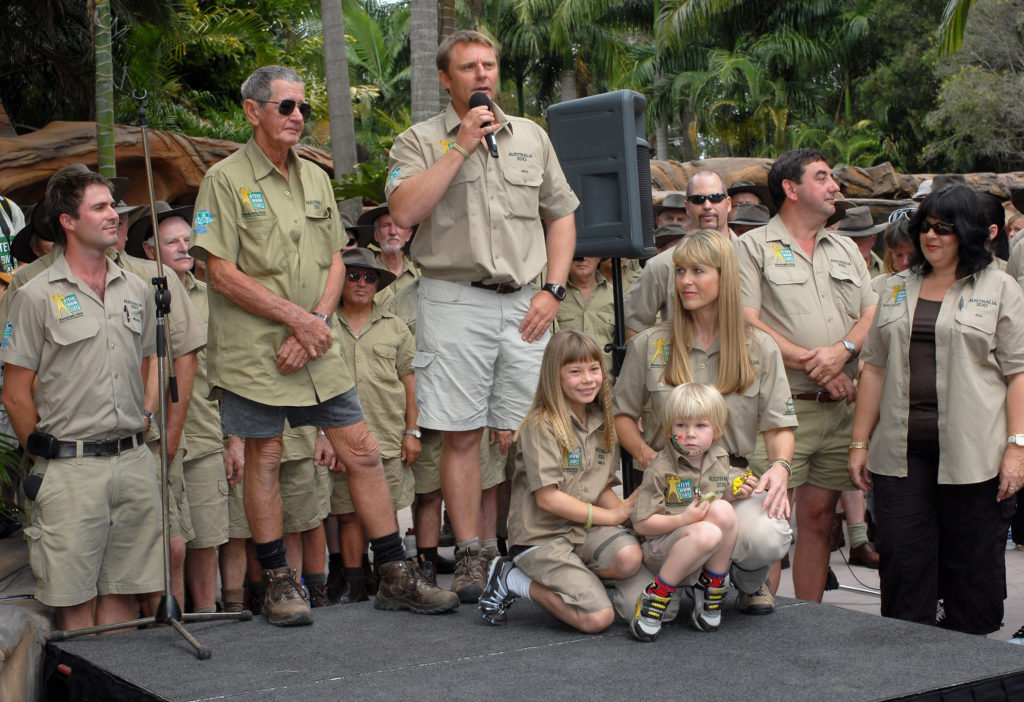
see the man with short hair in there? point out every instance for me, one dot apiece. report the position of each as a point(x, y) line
point(267, 225)
point(707, 207)
point(809, 289)
point(487, 226)
point(95, 524)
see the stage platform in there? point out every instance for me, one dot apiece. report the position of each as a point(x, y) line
point(803, 651)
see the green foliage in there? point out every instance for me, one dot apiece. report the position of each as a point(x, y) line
point(12, 469)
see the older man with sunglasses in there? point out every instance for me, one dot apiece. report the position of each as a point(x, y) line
point(267, 225)
point(707, 206)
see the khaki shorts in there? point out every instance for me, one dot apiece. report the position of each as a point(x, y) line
point(238, 523)
point(206, 489)
point(657, 548)
point(822, 446)
point(305, 494)
point(426, 470)
point(492, 463)
point(568, 569)
point(179, 519)
point(82, 542)
point(472, 335)
point(400, 482)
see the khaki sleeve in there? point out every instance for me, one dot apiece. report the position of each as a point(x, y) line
point(647, 296)
point(214, 227)
point(868, 298)
point(876, 349)
point(629, 394)
point(186, 328)
point(1015, 265)
point(749, 262)
point(405, 159)
point(775, 401)
point(541, 457)
point(650, 496)
point(1009, 342)
point(406, 348)
point(22, 341)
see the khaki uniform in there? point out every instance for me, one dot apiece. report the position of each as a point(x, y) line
point(812, 303)
point(765, 404)
point(979, 341)
point(672, 482)
point(305, 485)
point(1014, 265)
point(594, 317)
point(565, 554)
point(282, 233)
point(487, 227)
point(379, 356)
point(95, 524)
point(409, 275)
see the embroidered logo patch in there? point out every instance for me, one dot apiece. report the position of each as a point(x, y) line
point(202, 218)
point(783, 256)
point(395, 172)
point(790, 411)
point(897, 294)
point(8, 329)
point(68, 307)
point(678, 491)
point(252, 200)
point(572, 459)
point(662, 348)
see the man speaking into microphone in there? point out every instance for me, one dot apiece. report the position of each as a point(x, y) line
point(481, 328)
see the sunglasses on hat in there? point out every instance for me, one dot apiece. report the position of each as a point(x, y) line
point(286, 107)
point(699, 199)
point(903, 213)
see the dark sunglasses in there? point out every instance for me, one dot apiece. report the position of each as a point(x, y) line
point(940, 228)
point(902, 213)
point(286, 107)
point(369, 276)
point(699, 199)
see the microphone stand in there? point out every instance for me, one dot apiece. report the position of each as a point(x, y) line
point(167, 611)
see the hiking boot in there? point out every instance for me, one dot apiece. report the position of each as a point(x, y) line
point(864, 555)
point(335, 583)
point(648, 616)
point(707, 605)
point(1018, 638)
point(470, 575)
point(318, 596)
point(761, 601)
point(496, 598)
point(284, 601)
point(404, 586)
point(429, 568)
point(355, 591)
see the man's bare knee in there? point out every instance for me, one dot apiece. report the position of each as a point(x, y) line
point(356, 447)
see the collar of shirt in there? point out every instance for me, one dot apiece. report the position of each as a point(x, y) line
point(452, 119)
point(60, 270)
point(260, 164)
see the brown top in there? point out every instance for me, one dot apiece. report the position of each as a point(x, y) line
point(924, 399)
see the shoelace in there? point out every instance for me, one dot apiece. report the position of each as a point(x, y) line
point(277, 584)
point(654, 606)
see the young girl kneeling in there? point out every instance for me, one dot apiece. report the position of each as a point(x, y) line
point(690, 531)
point(563, 524)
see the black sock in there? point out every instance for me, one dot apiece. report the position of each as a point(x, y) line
point(271, 554)
point(387, 549)
point(334, 562)
point(352, 574)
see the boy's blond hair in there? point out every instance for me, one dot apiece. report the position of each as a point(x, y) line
point(695, 401)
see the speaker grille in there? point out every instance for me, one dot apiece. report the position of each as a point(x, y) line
point(643, 177)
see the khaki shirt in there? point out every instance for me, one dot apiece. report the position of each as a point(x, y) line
point(765, 404)
point(282, 233)
point(202, 423)
point(379, 357)
point(669, 482)
point(1015, 264)
point(487, 227)
point(979, 341)
point(409, 275)
point(595, 317)
point(584, 472)
point(812, 303)
point(86, 352)
point(403, 305)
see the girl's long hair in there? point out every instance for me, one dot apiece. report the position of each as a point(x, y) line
point(706, 247)
point(549, 410)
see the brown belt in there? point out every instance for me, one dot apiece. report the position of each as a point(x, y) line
point(738, 461)
point(815, 397)
point(500, 288)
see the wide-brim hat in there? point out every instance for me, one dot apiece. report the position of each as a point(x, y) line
point(750, 215)
point(667, 233)
point(21, 244)
point(923, 190)
point(763, 193)
point(857, 223)
point(671, 201)
point(143, 227)
point(366, 221)
point(361, 257)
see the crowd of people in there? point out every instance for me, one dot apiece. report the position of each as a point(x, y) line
point(775, 363)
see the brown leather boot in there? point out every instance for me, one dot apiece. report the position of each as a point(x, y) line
point(404, 586)
point(284, 602)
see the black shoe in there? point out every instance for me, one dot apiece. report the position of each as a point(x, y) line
point(355, 591)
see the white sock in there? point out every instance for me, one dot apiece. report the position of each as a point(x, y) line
point(519, 583)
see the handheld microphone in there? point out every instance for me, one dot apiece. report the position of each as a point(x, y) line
point(476, 100)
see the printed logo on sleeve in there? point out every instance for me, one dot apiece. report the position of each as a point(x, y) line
point(68, 307)
point(8, 330)
point(395, 172)
point(202, 219)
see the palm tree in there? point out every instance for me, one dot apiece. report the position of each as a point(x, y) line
point(422, 49)
point(954, 22)
point(105, 158)
point(339, 93)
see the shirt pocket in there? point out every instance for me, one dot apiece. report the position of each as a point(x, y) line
point(846, 287)
point(258, 254)
point(325, 242)
point(522, 186)
point(975, 333)
point(789, 285)
point(78, 330)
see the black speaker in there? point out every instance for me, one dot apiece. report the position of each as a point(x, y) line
point(600, 144)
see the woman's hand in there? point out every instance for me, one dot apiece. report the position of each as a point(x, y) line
point(775, 482)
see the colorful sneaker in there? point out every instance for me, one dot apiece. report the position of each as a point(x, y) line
point(284, 600)
point(707, 605)
point(470, 575)
point(496, 598)
point(403, 586)
point(1018, 638)
point(761, 601)
point(648, 616)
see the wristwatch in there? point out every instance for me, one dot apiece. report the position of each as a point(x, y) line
point(1016, 439)
point(414, 432)
point(327, 320)
point(849, 346)
point(555, 289)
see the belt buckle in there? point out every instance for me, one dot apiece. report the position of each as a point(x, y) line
point(503, 288)
point(822, 394)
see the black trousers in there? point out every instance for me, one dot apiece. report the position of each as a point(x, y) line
point(941, 541)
